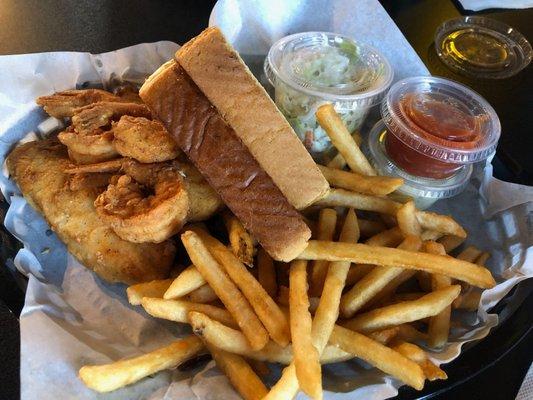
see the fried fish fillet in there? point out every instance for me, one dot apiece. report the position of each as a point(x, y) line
point(38, 167)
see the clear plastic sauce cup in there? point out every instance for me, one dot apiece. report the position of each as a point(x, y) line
point(312, 68)
point(436, 126)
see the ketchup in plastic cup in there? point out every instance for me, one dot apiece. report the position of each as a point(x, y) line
point(436, 126)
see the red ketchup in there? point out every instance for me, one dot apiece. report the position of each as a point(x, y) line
point(434, 133)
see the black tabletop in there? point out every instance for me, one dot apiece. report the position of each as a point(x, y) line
point(97, 26)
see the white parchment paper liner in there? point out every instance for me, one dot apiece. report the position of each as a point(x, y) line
point(72, 318)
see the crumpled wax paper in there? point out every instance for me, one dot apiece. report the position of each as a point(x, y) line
point(72, 318)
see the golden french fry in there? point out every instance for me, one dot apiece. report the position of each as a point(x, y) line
point(286, 387)
point(390, 238)
point(187, 281)
point(384, 205)
point(483, 258)
point(371, 284)
point(108, 377)
point(204, 294)
point(338, 161)
point(328, 307)
point(399, 297)
point(470, 254)
point(419, 356)
point(370, 228)
point(469, 300)
point(266, 273)
point(306, 356)
point(450, 242)
point(156, 288)
point(266, 309)
point(240, 374)
point(233, 341)
point(365, 254)
point(439, 325)
point(380, 356)
point(409, 333)
point(407, 220)
point(388, 291)
point(374, 185)
point(342, 140)
point(357, 272)
point(178, 310)
point(225, 289)
point(327, 221)
point(384, 336)
point(408, 311)
point(240, 240)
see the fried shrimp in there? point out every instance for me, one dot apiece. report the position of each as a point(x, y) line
point(144, 140)
point(148, 203)
point(203, 200)
point(90, 138)
point(99, 115)
point(63, 104)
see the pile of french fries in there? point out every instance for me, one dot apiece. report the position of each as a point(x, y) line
point(380, 300)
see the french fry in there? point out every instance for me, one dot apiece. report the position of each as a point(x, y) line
point(240, 374)
point(233, 341)
point(399, 297)
point(388, 291)
point(407, 220)
point(450, 242)
point(186, 282)
point(419, 356)
point(470, 254)
point(328, 306)
point(109, 377)
point(342, 140)
point(371, 284)
point(204, 294)
point(439, 325)
point(240, 240)
point(156, 288)
point(338, 161)
point(225, 289)
point(370, 228)
point(178, 310)
point(482, 258)
point(384, 336)
point(408, 333)
point(373, 185)
point(357, 272)
point(266, 309)
point(327, 221)
point(266, 273)
point(408, 311)
point(283, 300)
point(365, 254)
point(260, 367)
point(390, 238)
point(359, 201)
point(469, 300)
point(286, 387)
point(306, 356)
point(380, 356)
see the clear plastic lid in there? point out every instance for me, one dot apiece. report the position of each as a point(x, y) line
point(414, 186)
point(482, 47)
point(331, 66)
point(441, 119)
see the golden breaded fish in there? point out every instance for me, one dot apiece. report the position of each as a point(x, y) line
point(38, 167)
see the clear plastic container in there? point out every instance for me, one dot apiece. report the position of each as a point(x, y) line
point(482, 47)
point(436, 126)
point(424, 191)
point(312, 68)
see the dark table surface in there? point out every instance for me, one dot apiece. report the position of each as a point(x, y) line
point(96, 26)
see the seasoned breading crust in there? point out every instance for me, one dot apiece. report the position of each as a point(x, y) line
point(38, 167)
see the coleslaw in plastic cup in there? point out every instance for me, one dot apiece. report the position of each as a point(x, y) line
point(312, 68)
